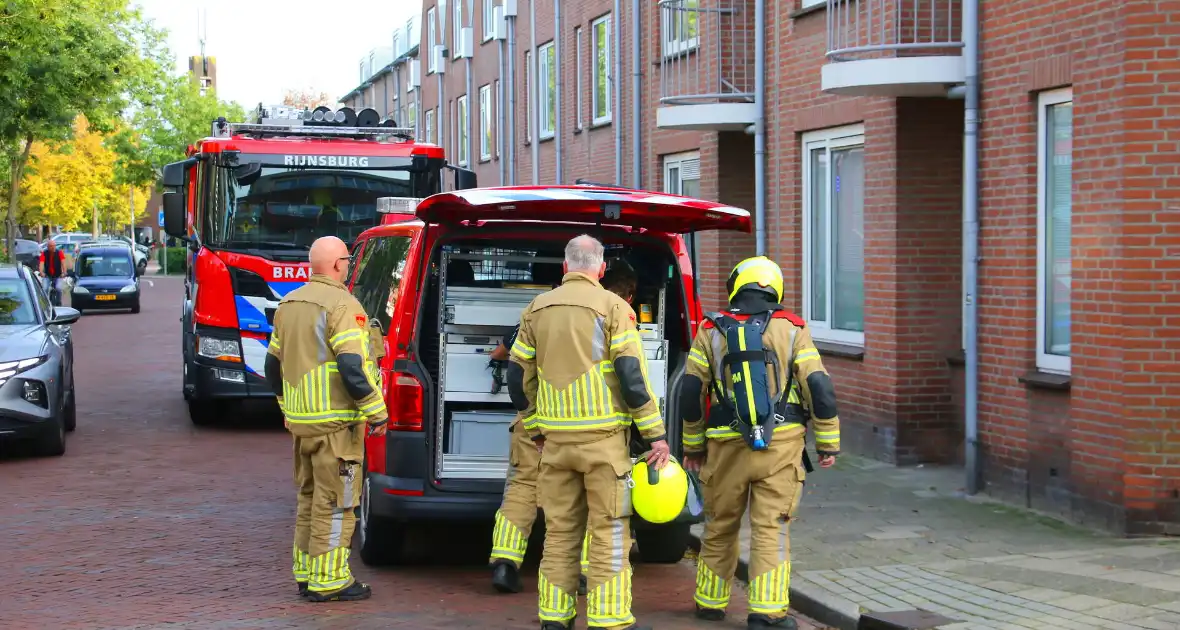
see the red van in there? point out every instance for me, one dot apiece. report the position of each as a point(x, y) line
point(446, 279)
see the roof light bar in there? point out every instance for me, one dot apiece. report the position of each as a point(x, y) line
point(222, 129)
point(397, 205)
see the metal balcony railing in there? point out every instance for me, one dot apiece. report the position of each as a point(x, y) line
point(870, 29)
point(707, 51)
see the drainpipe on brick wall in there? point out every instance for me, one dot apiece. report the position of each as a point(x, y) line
point(760, 127)
point(616, 92)
point(557, 171)
point(971, 240)
point(501, 125)
point(510, 90)
point(636, 98)
point(535, 118)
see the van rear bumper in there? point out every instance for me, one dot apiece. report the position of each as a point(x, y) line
point(403, 499)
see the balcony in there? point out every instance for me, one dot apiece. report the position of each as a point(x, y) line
point(706, 65)
point(893, 47)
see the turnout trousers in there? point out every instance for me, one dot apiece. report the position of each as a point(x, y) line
point(587, 488)
point(518, 510)
point(328, 474)
point(769, 483)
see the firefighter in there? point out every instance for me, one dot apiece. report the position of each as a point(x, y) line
point(52, 265)
point(518, 511)
point(741, 465)
point(578, 375)
point(319, 364)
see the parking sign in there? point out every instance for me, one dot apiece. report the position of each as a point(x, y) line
point(160, 218)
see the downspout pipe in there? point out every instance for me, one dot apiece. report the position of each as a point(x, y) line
point(760, 127)
point(557, 170)
point(636, 97)
point(501, 125)
point(535, 116)
point(971, 242)
point(616, 85)
point(510, 90)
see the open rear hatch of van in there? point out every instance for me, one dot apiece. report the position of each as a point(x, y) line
point(481, 286)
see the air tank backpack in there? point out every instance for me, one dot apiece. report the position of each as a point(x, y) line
point(751, 410)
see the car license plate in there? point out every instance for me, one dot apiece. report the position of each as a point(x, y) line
point(104, 297)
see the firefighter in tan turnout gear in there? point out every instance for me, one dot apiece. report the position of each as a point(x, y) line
point(579, 376)
point(760, 370)
point(518, 511)
point(320, 365)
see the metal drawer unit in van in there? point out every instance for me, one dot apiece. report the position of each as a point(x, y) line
point(472, 441)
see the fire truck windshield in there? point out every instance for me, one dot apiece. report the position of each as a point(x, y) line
point(289, 207)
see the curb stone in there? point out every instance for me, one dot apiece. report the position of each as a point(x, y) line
point(821, 606)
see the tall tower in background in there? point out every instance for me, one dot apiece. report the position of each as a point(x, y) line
point(201, 68)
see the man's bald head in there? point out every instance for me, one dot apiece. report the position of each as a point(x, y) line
point(584, 255)
point(329, 257)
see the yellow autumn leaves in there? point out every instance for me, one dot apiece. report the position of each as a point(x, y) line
point(68, 184)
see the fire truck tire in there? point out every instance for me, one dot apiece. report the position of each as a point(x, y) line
point(663, 544)
point(379, 539)
point(203, 412)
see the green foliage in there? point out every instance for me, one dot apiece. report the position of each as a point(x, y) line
point(177, 258)
point(178, 116)
point(63, 58)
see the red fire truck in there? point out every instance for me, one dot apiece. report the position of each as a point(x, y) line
point(248, 202)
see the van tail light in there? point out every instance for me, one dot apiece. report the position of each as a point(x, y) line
point(405, 402)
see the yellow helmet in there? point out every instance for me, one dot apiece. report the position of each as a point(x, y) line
point(759, 273)
point(659, 496)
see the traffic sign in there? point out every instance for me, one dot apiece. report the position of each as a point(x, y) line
point(160, 218)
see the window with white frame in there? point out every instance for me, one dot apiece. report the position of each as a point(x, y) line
point(1054, 214)
point(431, 40)
point(457, 42)
point(680, 26)
point(547, 81)
point(489, 19)
point(803, 4)
point(528, 96)
point(682, 176)
point(600, 90)
point(578, 78)
point(430, 127)
point(412, 115)
point(833, 234)
point(485, 122)
point(461, 128)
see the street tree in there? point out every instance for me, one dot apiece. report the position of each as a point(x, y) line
point(62, 58)
point(158, 133)
point(307, 98)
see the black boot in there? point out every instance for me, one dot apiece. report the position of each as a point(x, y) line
point(302, 588)
point(710, 614)
point(581, 585)
point(553, 625)
point(506, 578)
point(357, 591)
point(633, 626)
point(761, 622)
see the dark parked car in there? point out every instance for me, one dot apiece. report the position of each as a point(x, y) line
point(27, 252)
point(37, 399)
point(105, 277)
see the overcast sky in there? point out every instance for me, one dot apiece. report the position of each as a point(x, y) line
point(265, 46)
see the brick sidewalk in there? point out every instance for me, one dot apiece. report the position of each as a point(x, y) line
point(871, 537)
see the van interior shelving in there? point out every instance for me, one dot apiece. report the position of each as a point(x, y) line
point(476, 294)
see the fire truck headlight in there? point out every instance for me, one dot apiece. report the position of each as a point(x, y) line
point(223, 349)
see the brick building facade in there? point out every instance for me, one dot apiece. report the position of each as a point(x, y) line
point(1079, 215)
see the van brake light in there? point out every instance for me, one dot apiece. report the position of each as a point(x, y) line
point(405, 402)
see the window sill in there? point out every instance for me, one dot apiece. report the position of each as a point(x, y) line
point(578, 129)
point(1036, 379)
point(842, 350)
point(798, 13)
point(547, 138)
point(485, 160)
point(598, 124)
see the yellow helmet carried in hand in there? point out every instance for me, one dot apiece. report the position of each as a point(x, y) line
point(659, 496)
point(759, 273)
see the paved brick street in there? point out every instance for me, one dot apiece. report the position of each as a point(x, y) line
point(149, 522)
